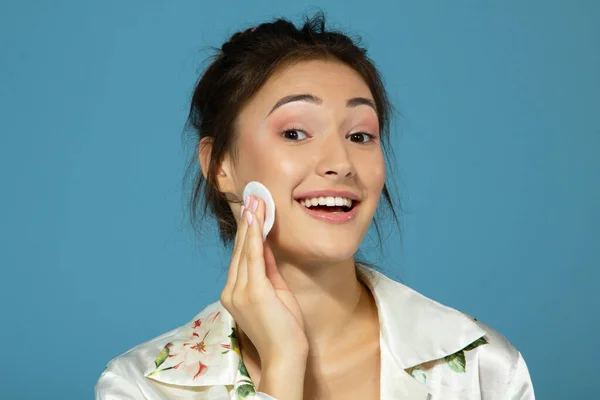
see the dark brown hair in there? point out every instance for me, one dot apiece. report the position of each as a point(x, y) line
point(237, 71)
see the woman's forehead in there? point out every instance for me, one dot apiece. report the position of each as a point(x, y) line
point(331, 83)
point(316, 75)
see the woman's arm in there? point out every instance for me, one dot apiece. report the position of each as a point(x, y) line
point(284, 380)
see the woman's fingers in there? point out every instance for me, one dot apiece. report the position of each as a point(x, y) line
point(242, 269)
point(254, 252)
point(236, 255)
point(250, 220)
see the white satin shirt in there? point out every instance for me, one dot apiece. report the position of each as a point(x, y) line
point(428, 351)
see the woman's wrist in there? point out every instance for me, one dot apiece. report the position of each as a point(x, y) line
point(284, 379)
point(293, 356)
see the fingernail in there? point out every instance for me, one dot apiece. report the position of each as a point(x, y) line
point(249, 218)
point(242, 211)
point(247, 201)
point(254, 205)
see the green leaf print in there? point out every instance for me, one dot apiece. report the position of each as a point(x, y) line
point(456, 361)
point(477, 343)
point(162, 356)
point(418, 375)
point(247, 386)
point(242, 368)
point(234, 341)
point(232, 334)
point(245, 390)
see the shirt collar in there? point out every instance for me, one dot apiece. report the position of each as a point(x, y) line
point(414, 330)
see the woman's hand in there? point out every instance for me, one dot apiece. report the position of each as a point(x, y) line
point(258, 298)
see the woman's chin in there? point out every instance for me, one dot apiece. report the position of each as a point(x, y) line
point(322, 251)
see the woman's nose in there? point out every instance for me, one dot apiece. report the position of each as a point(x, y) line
point(335, 160)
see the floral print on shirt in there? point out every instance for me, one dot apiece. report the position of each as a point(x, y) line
point(244, 387)
point(456, 362)
point(201, 346)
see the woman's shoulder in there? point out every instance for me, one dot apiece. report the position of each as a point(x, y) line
point(491, 365)
point(449, 351)
point(126, 373)
point(137, 357)
point(199, 359)
point(123, 376)
point(422, 329)
point(500, 362)
point(498, 351)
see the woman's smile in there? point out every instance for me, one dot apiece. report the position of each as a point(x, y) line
point(331, 214)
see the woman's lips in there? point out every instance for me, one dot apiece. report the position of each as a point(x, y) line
point(331, 217)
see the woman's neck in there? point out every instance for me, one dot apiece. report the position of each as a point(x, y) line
point(336, 306)
point(329, 297)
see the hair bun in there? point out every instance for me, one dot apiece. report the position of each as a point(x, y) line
point(226, 47)
point(236, 38)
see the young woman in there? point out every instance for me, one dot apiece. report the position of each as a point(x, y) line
point(304, 112)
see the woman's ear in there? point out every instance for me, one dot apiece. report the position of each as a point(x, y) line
point(224, 178)
point(204, 151)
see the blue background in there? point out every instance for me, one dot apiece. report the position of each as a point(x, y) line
point(497, 157)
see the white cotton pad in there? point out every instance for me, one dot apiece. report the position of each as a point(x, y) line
point(260, 190)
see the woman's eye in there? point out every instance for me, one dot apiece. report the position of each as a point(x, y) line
point(293, 134)
point(360, 137)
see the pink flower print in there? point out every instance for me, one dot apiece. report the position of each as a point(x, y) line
point(200, 346)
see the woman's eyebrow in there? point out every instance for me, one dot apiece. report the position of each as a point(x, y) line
point(353, 102)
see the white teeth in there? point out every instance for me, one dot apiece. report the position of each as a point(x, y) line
point(326, 201)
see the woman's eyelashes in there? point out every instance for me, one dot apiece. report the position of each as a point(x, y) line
point(292, 134)
point(370, 136)
point(292, 137)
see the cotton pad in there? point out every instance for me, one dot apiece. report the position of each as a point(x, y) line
point(260, 190)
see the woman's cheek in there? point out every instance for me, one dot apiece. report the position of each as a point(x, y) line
point(372, 171)
point(380, 171)
point(293, 165)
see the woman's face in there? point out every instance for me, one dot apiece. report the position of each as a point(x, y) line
point(303, 146)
